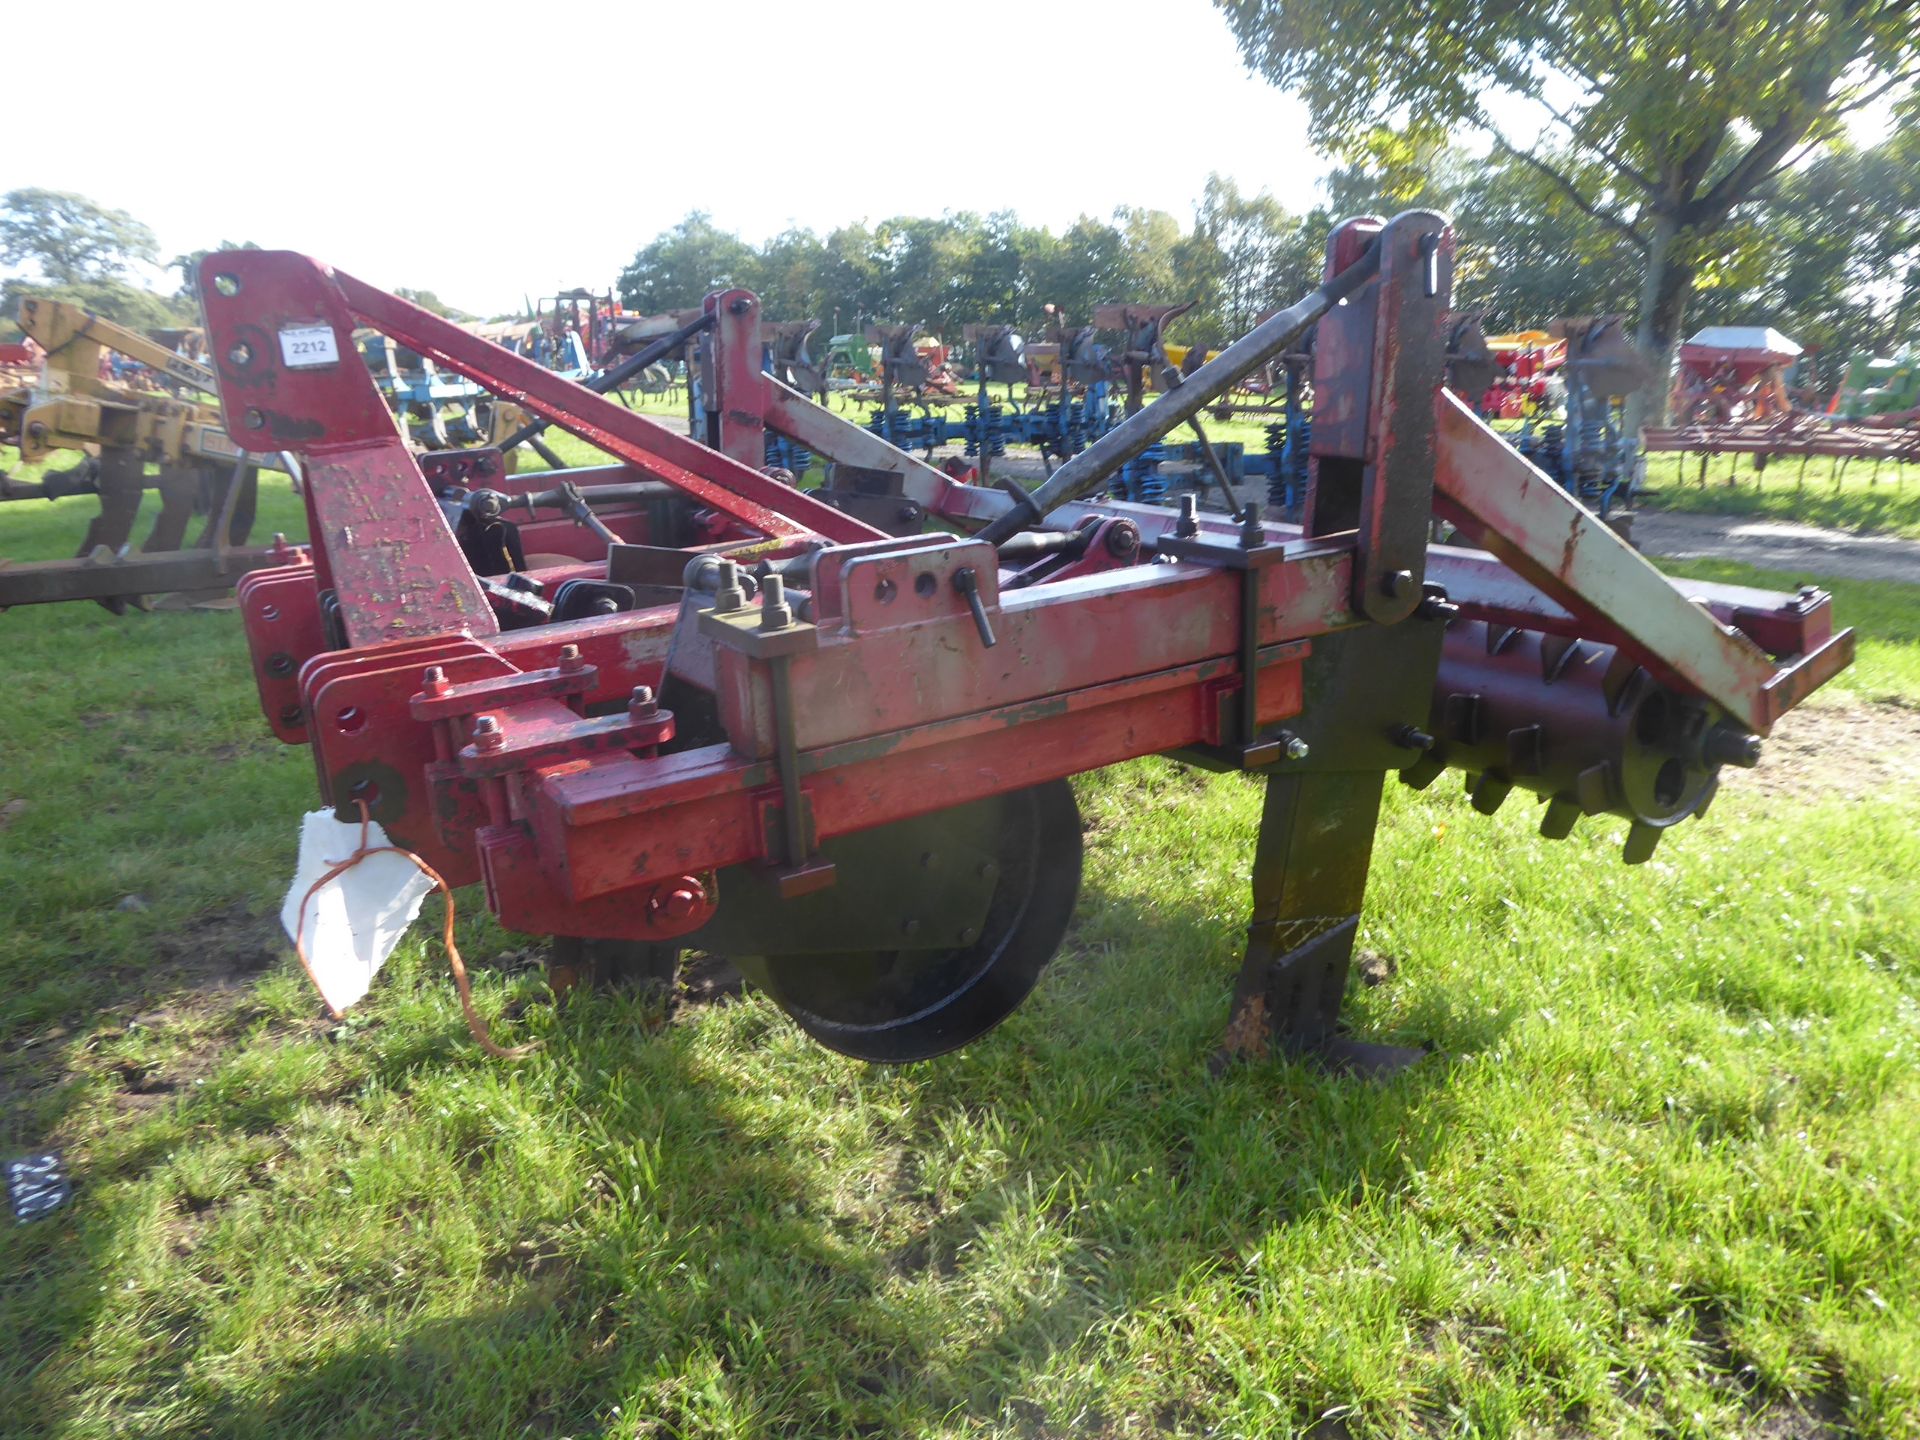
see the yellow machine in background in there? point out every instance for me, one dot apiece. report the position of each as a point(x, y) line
point(122, 428)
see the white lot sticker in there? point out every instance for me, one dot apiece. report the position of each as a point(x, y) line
point(355, 919)
point(304, 345)
point(212, 442)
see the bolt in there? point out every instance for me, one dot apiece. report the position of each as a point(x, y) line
point(1728, 745)
point(290, 714)
point(676, 903)
point(1188, 524)
point(1410, 737)
point(989, 869)
point(641, 703)
point(967, 935)
point(570, 661)
point(254, 420)
point(739, 307)
point(774, 612)
point(727, 594)
point(434, 681)
point(909, 513)
point(1437, 607)
point(487, 735)
point(1394, 582)
point(1252, 532)
point(280, 664)
point(909, 927)
point(1123, 539)
point(1294, 747)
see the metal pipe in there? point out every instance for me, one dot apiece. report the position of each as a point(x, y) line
point(1133, 435)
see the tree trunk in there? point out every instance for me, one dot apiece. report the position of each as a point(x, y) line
point(1663, 310)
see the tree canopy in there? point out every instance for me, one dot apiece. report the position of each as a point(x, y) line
point(1656, 119)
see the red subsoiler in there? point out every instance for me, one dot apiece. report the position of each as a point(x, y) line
point(674, 703)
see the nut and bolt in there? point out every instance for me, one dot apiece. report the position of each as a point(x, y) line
point(570, 661)
point(487, 735)
point(727, 594)
point(774, 612)
point(1395, 582)
point(1410, 737)
point(1188, 525)
point(641, 702)
point(1252, 532)
point(434, 680)
point(1292, 746)
point(676, 903)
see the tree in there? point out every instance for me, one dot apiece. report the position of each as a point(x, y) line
point(189, 266)
point(67, 238)
point(678, 269)
point(1656, 120)
point(427, 300)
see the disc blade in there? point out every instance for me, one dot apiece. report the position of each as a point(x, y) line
point(893, 1006)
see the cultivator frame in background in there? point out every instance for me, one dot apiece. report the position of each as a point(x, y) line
point(65, 405)
point(806, 732)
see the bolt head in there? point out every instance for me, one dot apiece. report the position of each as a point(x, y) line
point(1297, 749)
point(641, 702)
point(487, 734)
point(570, 658)
point(434, 681)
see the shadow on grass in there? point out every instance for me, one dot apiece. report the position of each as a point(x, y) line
point(752, 1304)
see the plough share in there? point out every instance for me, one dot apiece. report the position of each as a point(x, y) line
point(683, 705)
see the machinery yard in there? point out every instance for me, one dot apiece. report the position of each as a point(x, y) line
point(911, 816)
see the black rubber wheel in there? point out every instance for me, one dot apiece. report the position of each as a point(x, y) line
point(893, 1006)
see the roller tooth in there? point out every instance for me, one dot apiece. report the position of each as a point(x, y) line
point(1463, 715)
point(1490, 793)
point(1499, 637)
point(1641, 840)
point(1556, 653)
point(1628, 695)
point(1526, 750)
point(1593, 788)
point(1424, 771)
point(1562, 812)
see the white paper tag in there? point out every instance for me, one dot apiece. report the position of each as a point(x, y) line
point(305, 345)
point(355, 919)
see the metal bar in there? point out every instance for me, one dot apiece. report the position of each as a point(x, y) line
point(40, 582)
point(1533, 526)
point(734, 489)
point(1134, 434)
point(610, 379)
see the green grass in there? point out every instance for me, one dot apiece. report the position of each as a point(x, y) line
point(1660, 1180)
point(1855, 495)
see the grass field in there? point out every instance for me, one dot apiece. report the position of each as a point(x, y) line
point(1659, 1180)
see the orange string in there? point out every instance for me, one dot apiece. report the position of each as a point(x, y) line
point(475, 1024)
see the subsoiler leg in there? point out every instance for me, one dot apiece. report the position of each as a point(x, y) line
point(1309, 879)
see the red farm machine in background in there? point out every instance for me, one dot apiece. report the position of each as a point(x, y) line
point(1730, 373)
point(671, 702)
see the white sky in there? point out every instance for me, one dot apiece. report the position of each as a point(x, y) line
point(397, 147)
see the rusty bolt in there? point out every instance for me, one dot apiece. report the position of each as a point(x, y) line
point(641, 703)
point(434, 681)
point(487, 735)
point(570, 661)
point(1123, 539)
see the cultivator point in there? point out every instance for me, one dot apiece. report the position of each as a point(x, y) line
point(817, 734)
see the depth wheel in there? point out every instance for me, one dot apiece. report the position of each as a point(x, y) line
point(893, 1006)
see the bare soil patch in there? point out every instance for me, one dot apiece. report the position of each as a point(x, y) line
point(1846, 750)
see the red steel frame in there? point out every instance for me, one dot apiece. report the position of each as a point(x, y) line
point(529, 758)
